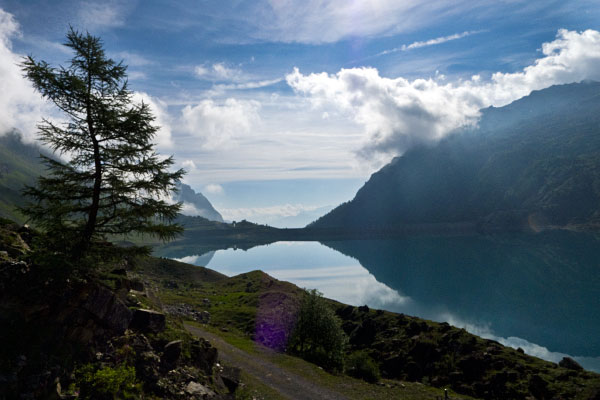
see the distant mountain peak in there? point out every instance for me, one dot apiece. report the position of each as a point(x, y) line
point(195, 204)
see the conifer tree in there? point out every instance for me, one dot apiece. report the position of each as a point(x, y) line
point(114, 183)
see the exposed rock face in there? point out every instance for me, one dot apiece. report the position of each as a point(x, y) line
point(147, 321)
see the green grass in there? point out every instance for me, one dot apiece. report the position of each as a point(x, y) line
point(236, 303)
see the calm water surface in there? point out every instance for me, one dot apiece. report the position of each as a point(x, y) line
point(538, 292)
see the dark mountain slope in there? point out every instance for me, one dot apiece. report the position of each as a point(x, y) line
point(533, 162)
point(19, 165)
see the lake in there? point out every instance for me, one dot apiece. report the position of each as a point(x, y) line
point(539, 292)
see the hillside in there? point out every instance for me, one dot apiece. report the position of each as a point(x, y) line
point(19, 165)
point(530, 164)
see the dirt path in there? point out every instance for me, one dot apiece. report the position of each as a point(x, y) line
point(288, 384)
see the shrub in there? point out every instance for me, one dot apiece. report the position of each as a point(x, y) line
point(108, 383)
point(318, 336)
point(361, 365)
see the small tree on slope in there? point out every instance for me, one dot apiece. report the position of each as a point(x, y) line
point(114, 180)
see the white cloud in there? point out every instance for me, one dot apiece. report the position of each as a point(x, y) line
point(132, 59)
point(189, 165)
point(219, 72)
point(214, 188)
point(158, 107)
point(249, 85)
point(98, 15)
point(261, 213)
point(397, 113)
point(220, 125)
point(431, 42)
point(20, 106)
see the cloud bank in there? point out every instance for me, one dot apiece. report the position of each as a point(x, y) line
point(20, 106)
point(219, 125)
point(398, 113)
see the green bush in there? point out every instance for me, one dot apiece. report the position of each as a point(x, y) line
point(318, 336)
point(360, 365)
point(108, 383)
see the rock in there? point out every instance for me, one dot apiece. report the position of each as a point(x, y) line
point(365, 333)
point(172, 352)
point(147, 321)
point(345, 312)
point(231, 378)
point(196, 389)
point(569, 363)
point(203, 355)
point(108, 308)
point(364, 308)
point(393, 365)
point(119, 271)
point(205, 317)
point(136, 285)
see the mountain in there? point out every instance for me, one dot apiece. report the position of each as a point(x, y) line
point(195, 203)
point(530, 164)
point(19, 165)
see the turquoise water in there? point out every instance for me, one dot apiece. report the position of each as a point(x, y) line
point(538, 292)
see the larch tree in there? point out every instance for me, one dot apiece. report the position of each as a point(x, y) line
point(114, 182)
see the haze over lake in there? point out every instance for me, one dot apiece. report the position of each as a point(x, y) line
point(537, 292)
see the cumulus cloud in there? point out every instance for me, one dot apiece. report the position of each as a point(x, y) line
point(163, 138)
point(220, 125)
point(20, 106)
point(398, 113)
point(214, 188)
point(189, 165)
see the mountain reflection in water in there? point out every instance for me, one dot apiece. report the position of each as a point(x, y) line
point(539, 292)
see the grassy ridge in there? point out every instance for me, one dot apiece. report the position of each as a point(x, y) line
point(407, 349)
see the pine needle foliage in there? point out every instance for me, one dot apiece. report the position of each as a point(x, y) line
point(114, 182)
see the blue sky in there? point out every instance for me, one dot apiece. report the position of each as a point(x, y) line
point(281, 107)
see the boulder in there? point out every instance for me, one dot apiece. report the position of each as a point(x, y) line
point(172, 352)
point(569, 363)
point(203, 355)
point(102, 303)
point(199, 391)
point(231, 378)
point(147, 321)
point(136, 285)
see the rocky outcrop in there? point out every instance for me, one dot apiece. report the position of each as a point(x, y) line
point(147, 321)
point(107, 308)
point(569, 363)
